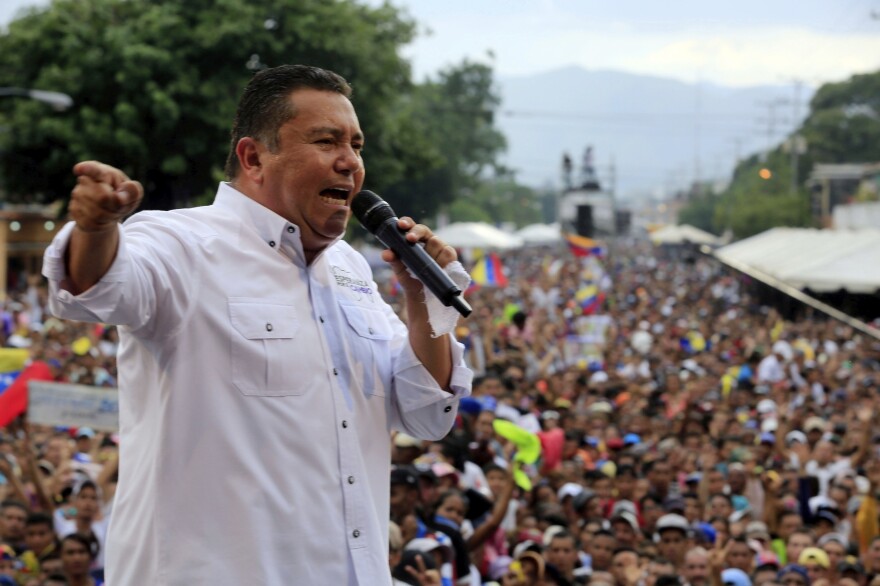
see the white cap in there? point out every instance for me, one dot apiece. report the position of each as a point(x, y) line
point(766, 406)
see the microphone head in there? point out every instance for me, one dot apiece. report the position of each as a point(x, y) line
point(371, 210)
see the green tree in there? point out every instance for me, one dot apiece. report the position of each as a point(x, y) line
point(155, 85)
point(843, 127)
point(451, 121)
point(498, 200)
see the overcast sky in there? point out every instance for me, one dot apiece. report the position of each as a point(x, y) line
point(738, 43)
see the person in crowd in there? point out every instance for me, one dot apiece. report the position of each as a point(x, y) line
point(77, 554)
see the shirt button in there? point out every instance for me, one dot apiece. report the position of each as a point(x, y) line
point(268, 327)
point(291, 229)
point(335, 372)
point(344, 424)
point(447, 409)
point(272, 243)
point(356, 533)
point(370, 330)
point(351, 479)
point(321, 318)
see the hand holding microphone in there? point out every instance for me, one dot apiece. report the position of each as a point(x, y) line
point(380, 220)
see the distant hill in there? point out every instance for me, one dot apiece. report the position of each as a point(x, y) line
point(648, 124)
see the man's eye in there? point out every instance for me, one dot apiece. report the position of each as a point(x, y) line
point(324, 141)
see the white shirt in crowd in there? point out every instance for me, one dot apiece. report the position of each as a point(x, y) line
point(256, 399)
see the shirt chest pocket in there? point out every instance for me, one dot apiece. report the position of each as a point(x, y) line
point(370, 347)
point(263, 348)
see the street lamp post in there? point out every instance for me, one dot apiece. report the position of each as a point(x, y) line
point(57, 100)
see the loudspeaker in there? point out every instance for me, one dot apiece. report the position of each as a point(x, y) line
point(622, 222)
point(584, 225)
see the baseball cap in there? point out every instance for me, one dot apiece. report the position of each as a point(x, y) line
point(442, 469)
point(705, 532)
point(405, 476)
point(814, 424)
point(766, 406)
point(631, 439)
point(767, 438)
point(402, 440)
point(767, 560)
point(850, 564)
point(582, 498)
point(795, 436)
point(826, 515)
point(757, 530)
point(815, 555)
point(769, 425)
point(794, 569)
point(624, 505)
point(674, 504)
point(569, 489)
point(672, 521)
point(735, 577)
point(85, 432)
point(614, 444)
point(626, 517)
point(836, 537)
point(550, 414)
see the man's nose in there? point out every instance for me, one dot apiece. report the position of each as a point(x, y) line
point(349, 161)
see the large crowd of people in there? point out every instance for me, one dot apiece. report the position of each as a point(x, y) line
point(636, 419)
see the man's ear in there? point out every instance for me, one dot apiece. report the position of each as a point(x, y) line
point(250, 152)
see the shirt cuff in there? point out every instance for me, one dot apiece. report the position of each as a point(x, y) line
point(100, 299)
point(415, 386)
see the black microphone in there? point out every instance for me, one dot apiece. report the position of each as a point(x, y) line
point(376, 215)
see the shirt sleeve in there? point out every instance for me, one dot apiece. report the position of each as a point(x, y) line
point(100, 303)
point(153, 268)
point(419, 406)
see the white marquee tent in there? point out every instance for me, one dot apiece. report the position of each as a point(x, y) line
point(538, 234)
point(820, 260)
point(477, 235)
point(683, 234)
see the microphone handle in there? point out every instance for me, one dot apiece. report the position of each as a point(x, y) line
point(420, 263)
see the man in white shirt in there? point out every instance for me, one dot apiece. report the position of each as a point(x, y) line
point(260, 372)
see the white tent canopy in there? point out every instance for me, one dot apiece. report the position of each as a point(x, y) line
point(685, 233)
point(537, 234)
point(477, 235)
point(820, 260)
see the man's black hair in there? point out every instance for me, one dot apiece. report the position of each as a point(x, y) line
point(265, 104)
point(40, 518)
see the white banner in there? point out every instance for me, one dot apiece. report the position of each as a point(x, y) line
point(73, 405)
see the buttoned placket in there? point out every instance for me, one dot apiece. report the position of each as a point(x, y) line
point(346, 432)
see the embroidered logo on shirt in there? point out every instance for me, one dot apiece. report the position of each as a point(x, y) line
point(345, 279)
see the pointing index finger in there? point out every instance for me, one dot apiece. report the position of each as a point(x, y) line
point(100, 172)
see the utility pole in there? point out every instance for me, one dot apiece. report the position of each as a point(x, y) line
point(737, 149)
point(771, 120)
point(795, 143)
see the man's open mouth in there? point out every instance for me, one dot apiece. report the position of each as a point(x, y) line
point(335, 195)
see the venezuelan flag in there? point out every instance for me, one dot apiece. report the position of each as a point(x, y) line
point(589, 298)
point(11, 364)
point(12, 361)
point(488, 272)
point(581, 246)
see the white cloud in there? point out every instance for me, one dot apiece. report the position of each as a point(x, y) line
point(766, 56)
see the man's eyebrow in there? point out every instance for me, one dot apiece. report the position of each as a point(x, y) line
point(335, 132)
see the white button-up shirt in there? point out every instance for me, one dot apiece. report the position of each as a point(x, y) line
point(256, 399)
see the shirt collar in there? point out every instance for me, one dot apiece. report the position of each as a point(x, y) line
point(272, 229)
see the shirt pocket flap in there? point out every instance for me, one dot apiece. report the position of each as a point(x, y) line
point(258, 320)
point(367, 322)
